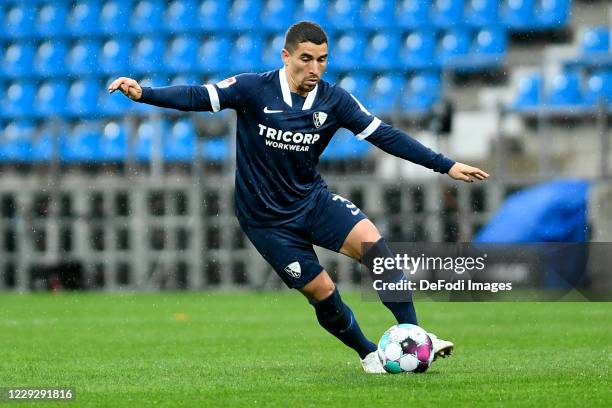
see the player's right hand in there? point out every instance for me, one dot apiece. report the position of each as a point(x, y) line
point(127, 86)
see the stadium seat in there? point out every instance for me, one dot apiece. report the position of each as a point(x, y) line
point(356, 84)
point(216, 149)
point(382, 51)
point(51, 19)
point(82, 144)
point(50, 59)
point(599, 88)
point(453, 48)
point(420, 93)
point(113, 143)
point(344, 14)
point(17, 22)
point(149, 140)
point(83, 97)
point(595, 40)
point(529, 92)
point(417, 50)
point(83, 18)
point(518, 15)
point(383, 95)
point(345, 146)
point(378, 14)
point(551, 14)
point(181, 16)
point(212, 15)
point(213, 54)
point(43, 144)
point(83, 58)
point(565, 91)
point(16, 141)
point(147, 16)
point(244, 15)
point(313, 10)
point(489, 48)
point(447, 13)
point(347, 49)
point(271, 54)
point(115, 17)
point(480, 13)
point(181, 54)
point(17, 60)
point(180, 145)
point(51, 98)
point(276, 14)
point(18, 100)
point(114, 58)
point(413, 14)
point(245, 55)
point(147, 56)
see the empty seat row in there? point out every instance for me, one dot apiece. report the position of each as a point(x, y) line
point(94, 17)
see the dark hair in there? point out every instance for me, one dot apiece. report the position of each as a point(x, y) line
point(304, 31)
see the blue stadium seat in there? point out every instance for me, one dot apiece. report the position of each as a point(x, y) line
point(245, 55)
point(216, 149)
point(489, 49)
point(82, 144)
point(52, 19)
point(480, 13)
point(565, 91)
point(529, 93)
point(146, 146)
point(188, 79)
point(595, 40)
point(421, 92)
point(18, 100)
point(212, 15)
point(518, 15)
point(17, 60)
point(382, 51)
point(345, 146)
point(271, 54)
point(83, 97)
point(276, 14)
point(599, 88)
point(147, 55)
point(356, 84)
point(115, 17)
point(453, 48)
point(18, 22)
point(51, 98)
point(113, 143)
point(378, 14)
point(244, 15)
point(50, 59)
point(551, 14)
point(16, 141)
point(347, 49)
point(181, 16)
point(182, 54)
point(417, 50)
point(147, 16)
point(83, 18)
point(344, 14)
point(180, 145)
point(413, 14)
point(447, 13)
point(115, 56)
point(43, 145)
point(83, 57)
point(314, 10)
point(213, 54)
point(383, 95)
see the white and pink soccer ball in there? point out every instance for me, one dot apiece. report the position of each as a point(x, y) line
point(405, 348)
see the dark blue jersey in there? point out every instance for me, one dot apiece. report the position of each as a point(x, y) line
point(280, 136)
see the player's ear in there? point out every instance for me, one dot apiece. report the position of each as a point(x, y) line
point(285, 56)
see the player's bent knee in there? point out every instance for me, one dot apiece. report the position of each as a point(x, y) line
point(321, 287)
point(363, 231)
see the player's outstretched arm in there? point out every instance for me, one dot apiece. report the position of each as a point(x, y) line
point(128, 86)
point(466, 173)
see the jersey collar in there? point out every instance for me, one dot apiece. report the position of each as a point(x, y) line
point(284, 84)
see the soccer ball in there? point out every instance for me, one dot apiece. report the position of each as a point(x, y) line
point(405, 348)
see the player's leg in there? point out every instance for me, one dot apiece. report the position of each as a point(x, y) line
point(294, 260)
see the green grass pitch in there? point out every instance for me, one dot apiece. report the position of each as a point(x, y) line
point(248, 349)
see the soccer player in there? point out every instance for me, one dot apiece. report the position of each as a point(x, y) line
point(286, 118)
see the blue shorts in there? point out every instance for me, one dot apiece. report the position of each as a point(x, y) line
point(288, 247)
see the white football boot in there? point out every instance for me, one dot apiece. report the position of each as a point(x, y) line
point(442, 348)
point(371, 364)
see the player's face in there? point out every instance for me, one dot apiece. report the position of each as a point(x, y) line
point(305, 65)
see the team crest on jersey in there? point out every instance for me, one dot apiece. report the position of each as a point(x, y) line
point(226, 82)
point(294, 269)
point(319, 118)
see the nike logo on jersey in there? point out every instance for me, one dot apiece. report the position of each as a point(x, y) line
point(266, 110)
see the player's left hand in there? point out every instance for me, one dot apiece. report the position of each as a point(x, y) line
point(461, 171)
